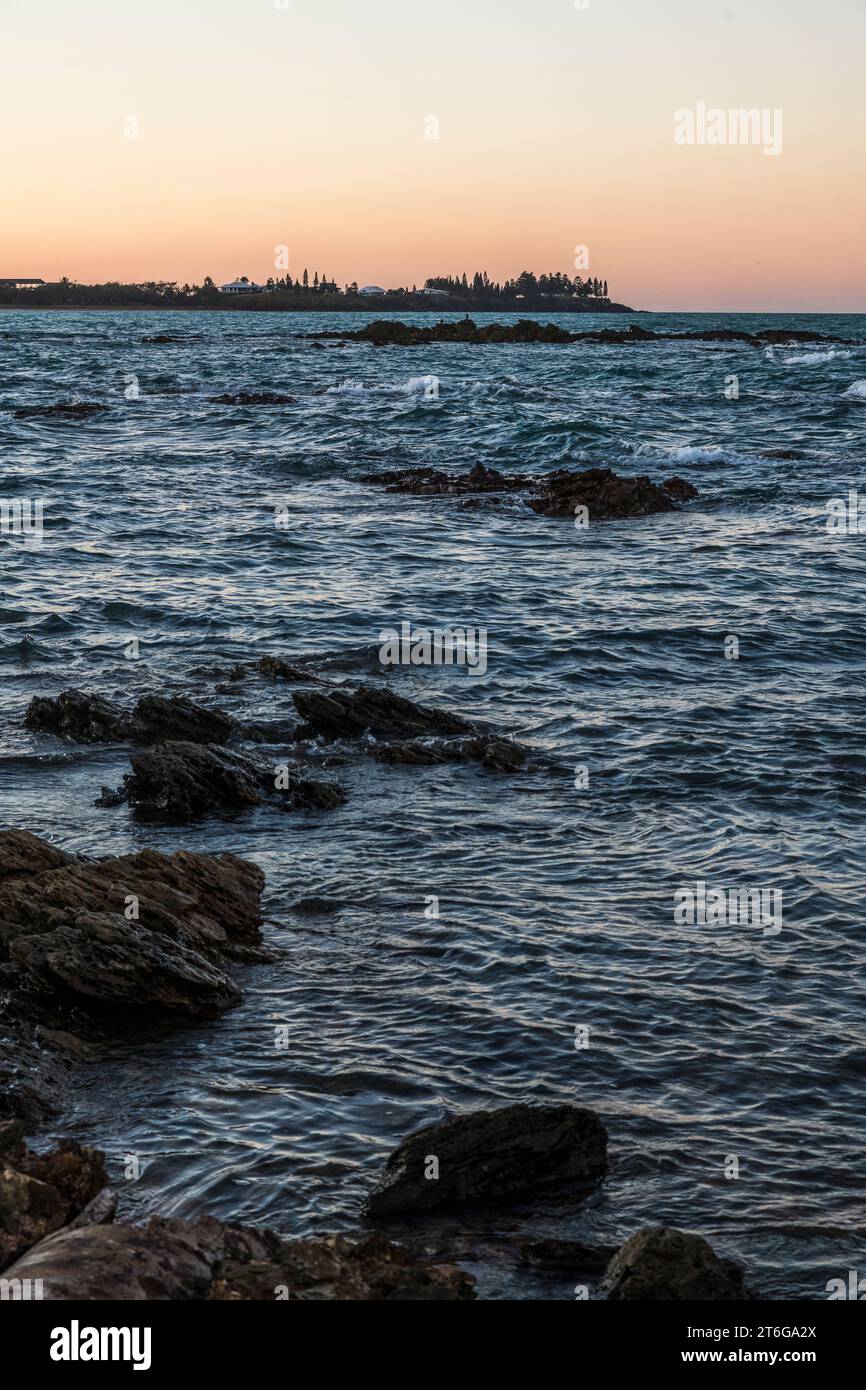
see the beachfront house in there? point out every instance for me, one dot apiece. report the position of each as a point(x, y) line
point(372, 289)
point(22, 284)
point(242, 286)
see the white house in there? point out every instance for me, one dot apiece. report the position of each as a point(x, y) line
point(372, 289)
point(434, 293)
point(241, 286)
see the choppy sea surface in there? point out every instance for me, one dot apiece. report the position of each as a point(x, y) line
point(606, 650)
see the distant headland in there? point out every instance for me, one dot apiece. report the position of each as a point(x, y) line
point(528, 293)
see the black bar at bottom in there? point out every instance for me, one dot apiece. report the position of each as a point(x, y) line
point(257, 1339)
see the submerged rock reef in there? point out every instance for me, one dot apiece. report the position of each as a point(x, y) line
point(385, 333)
point(606, 495)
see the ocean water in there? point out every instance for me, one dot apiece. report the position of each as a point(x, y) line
point(606, 650)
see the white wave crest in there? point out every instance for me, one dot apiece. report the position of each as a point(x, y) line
point(415, 386)
point(858, 391)
point(808, 359)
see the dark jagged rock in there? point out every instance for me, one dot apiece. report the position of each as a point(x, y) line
point(666, 1264)
point(209, 902)
point(490, 1156)
point(406, 734)
point(41, 1193)
point(679, 489)
point(276, 670)
point(252, 398)
point(89, 719)
point(605, 494)
point(183, 780)
point(64, 410)
point(107, 962)
point(312, 794)
point(81, 717)
point(181, 719)
point(86, 942)
point(206, 1260)
point(388, 334)
point(340, 713)
point(433, 482)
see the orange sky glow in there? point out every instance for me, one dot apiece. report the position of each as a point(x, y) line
point(384, 142)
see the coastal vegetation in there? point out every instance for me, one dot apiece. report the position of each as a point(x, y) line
point(527, 292)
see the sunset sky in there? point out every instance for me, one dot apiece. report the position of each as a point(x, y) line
point(306, 125)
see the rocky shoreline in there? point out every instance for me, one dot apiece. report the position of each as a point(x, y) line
point(91, 948)
point(88, 945)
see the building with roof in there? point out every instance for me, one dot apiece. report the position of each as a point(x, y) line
point(241, 286)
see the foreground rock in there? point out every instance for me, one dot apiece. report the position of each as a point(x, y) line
point(184, 781)
point(90, 719)
point(490, 1156)
point(389, 334)
point(606, 495)
point(41, 1193)
point(145, 933)
point(206, 1260)
point(663, 1263)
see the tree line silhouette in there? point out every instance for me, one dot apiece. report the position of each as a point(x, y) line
point(455, 291)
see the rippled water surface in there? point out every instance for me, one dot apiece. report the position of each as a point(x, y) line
point(607, 650)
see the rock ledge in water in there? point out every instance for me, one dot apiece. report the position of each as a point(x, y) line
point(87, 718)
point(606, 495)
point(490, 1156)
point(66, 935)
